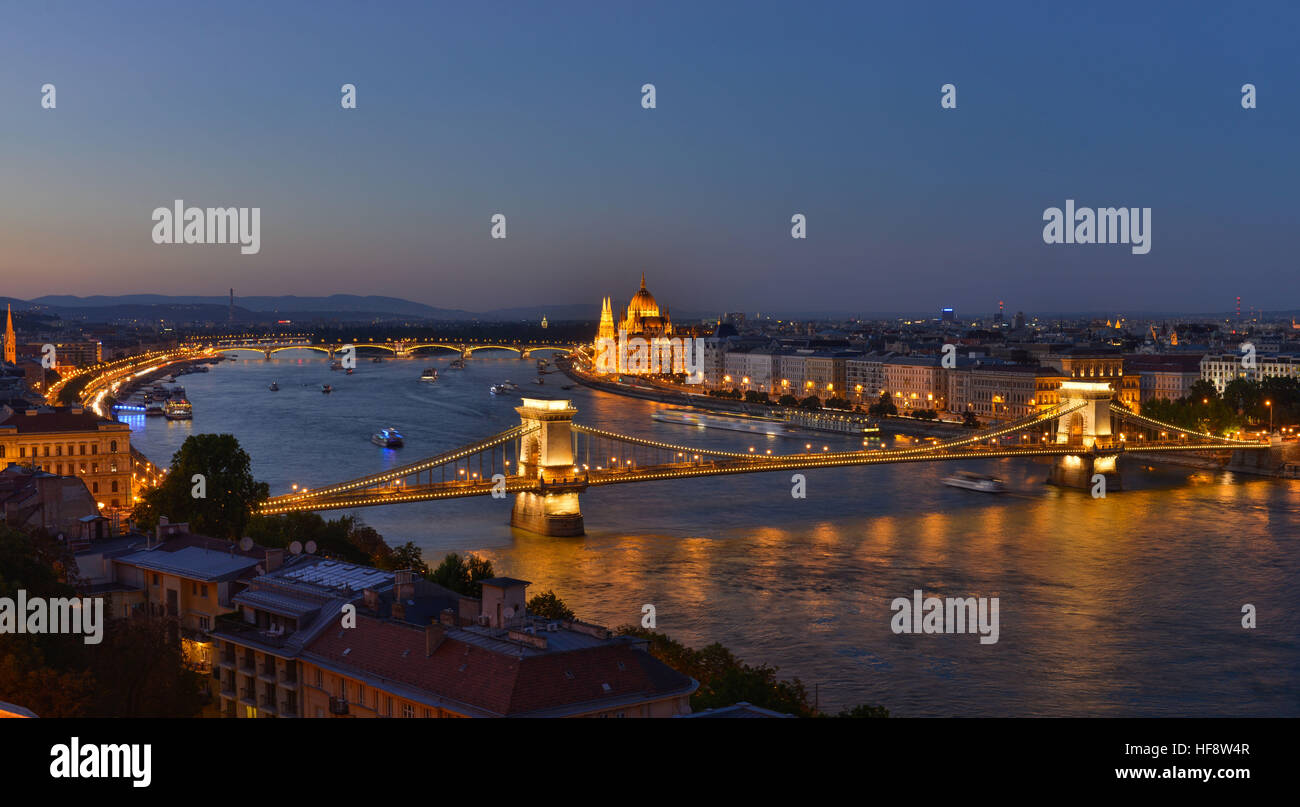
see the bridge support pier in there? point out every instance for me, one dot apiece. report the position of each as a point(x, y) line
point(556, 515)
point(546, 455)
point(1078, 471)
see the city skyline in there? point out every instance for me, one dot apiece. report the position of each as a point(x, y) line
point(835, 115)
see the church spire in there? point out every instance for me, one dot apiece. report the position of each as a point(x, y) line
point(11, 341)
point(643, 281)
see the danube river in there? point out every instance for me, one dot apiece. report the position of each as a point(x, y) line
point(1128, 605)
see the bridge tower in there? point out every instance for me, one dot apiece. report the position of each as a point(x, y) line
point(546, 455)
point(1089, 429)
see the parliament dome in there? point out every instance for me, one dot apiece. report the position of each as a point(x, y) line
point(643, 303)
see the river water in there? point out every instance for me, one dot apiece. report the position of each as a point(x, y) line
point(1128, 605)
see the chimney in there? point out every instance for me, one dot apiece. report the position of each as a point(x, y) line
point(448, 617)
point(161, 529)
point(434, 635)
point(404, 584)
point(372, 599)
point(274, 559)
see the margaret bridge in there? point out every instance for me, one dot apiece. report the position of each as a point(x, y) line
point(396, 348)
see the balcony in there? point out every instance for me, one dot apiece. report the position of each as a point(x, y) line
point(247, 697)
point(266, 674)
point(288, 709)
point(289, 678)
point(338, 707)
point(233, 625)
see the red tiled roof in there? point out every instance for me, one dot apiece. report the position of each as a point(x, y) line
point(59, 420)
point(494, 681)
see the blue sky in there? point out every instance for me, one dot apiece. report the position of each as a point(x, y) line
point(764, 110)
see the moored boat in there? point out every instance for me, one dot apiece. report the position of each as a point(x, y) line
point(715, 420)
point(178, 410)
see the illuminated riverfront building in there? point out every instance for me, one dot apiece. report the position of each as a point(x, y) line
point(71, 441)
point(641, 320)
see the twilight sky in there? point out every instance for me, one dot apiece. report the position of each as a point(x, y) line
point(764, 110)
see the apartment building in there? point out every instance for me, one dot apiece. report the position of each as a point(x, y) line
point(1221, 368)
point(1168, 377)
point(71, 441)
point(916, 382)
point(419, 650)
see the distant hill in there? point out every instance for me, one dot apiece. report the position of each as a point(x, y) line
point(288, 304)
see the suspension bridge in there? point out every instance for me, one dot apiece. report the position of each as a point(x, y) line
point(547, 460)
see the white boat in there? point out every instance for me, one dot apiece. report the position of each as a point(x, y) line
point(714, 420)
point(178, 410)
point(505, 388)
point(539, 380)
point(429, 374)
point(973, 481)
point(388, 438)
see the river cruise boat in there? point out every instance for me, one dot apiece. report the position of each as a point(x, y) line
point(388, 438)
point(968, 480)
point(430, 374)
point(178, 410)
point(457, 364)
point(717, 420)
point(154, 408)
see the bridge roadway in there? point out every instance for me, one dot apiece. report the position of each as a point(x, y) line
point(358, 496)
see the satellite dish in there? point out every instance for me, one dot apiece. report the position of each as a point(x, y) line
point(510, 613)
point(245, 543)
point(295, 548)
point(311, 547)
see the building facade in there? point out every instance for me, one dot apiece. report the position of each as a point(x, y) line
point(72, 441)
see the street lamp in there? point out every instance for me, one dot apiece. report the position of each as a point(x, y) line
point(1269, 404)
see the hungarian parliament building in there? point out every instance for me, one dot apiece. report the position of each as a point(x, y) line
point(641, 342)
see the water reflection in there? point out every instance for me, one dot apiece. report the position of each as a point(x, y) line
point(1127, 605)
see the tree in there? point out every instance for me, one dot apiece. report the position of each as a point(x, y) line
point(212, 465)
point(1202, 390)
point(788, 400)
point(135, 670)
point(970, 421)
point(811, 402)
point(864, 710)
point(549, 606)
point(406, 556)
point(756, 396)
point(883, 407)
point(463, 576)
point(725, 679)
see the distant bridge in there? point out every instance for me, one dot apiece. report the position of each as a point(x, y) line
point(397, 348)
point(548, 460)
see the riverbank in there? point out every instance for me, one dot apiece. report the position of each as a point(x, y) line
point(844, 421)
